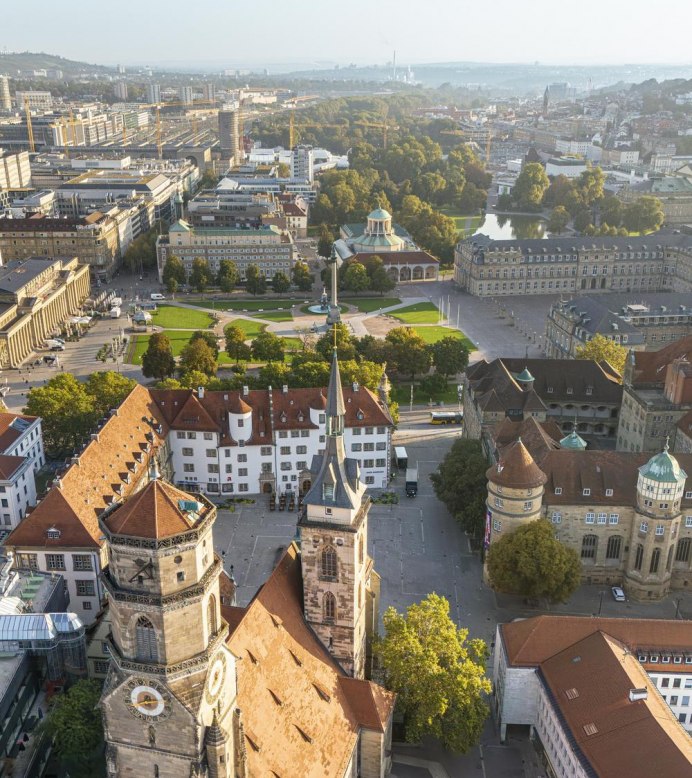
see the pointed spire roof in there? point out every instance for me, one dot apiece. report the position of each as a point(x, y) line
point(516, 468)
point(335, 394)
point(214, 736)
point(573, 441)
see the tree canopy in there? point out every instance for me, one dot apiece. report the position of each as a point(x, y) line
point(267, 347)
point(173, 273)
point(158, 360)
point(236, 347)
point(437, 672)
point(450, 356)
point(302, 277)
point(255, 282)
point(602, 348)
point(228, 275)
point(108, 389)
point(198, 355)
point(200, 274)
point(530, 186)
point(531, 562)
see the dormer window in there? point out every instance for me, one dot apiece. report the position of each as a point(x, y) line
point(609, 492)
point(360, 415)
point(53, 533)
point(586, 492)
point(558, 490)
point(328, 492)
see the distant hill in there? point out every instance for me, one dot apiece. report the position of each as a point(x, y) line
point(12, 62)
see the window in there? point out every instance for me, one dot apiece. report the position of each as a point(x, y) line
point(209, 436)
point(101, 666)
point(241, 423)
point(558, 490)
point(243, 488)
point(609, 492)
point(211, 452)
point(356, 446)
point(266, 451)
point(26, 561)
point(613, 547)
point(660, 529)
point(655, 560)
point(602, 518)
point(85, 589)
point(242, 472)
point(285, 450)
point(212, 621)
point(498, 502)
point(283, 434)
point(528, 505)
point(586, 492)
point(556, 518)
point(613, 518)
point(55, 561)
point(301, 449)
point(644, 526)
point(329, 607)
point(212, 468)
point(682, 552)
point(368, 447)
point(145, 641)
point(295, 433)
point(188, 467)
point(180, 435)
point(328, 562)
point(639, 557)
point(589, 545)
point(188, 452)
point(81, 562)
point(497, 525)
point(285, 465)
point(590, 518)
point(192, 436)
point(688, 521)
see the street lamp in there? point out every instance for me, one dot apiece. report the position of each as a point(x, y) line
point(600, 603)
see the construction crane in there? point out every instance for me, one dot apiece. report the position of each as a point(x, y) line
point(29, 128)
point(384, 126)
point(159, 142)
point(292, 126)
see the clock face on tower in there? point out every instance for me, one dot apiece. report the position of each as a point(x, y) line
point(215, 679)
point(147, 700)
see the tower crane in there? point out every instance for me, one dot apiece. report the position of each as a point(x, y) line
point(292, 126)
point(384, 126)
point(29, 128)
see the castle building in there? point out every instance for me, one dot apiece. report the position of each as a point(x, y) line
point(207, 690)
point(628, 516)
point(599, 697)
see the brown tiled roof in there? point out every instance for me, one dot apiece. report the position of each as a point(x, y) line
point(293, 209)
point(516, 469)
point(400, 257)
point(111, 467)
point(155, 512)
point(288, 683)
point(650, 366)
point(9, 465)
point(8, 434)
point(538, 437)
point(371, 703)
point(529, 642)
point(598, 471)
point(616, 736)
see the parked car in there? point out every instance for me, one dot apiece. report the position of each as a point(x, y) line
point(618, 594)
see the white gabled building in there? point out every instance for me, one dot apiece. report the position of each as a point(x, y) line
point(21, 457)
point(263, 440)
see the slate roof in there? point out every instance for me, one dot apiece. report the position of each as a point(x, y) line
point(290, 687)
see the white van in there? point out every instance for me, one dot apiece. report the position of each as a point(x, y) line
point(157, 297)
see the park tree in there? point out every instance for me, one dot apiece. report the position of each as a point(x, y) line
point(558, 192)
point(173, 273)
point(228, 275)
point(530, 561)
point(68, 412)
point(324, 240)
point(407, 352)
point(236, 347)
point(192, 379)
point(600, 348)
point(460, 483)
point(437, 672)
point(158, 360)
point(209, 338)
point(302, 277)
point(361, 371)
point(611, 211)
point(200, 274)
point(108, 389)
point(255, 282)
point(281, 282)
point(530, 187)
point(380, 280)
point(274, 374)
point(450, 356)
point(356, 278)
point(75, 726)
point(590, 184)
point(198, 355)
point(267, 347)
point(582, 220)
point(558, 221)
point(504, 202)
point(345, 343)
point(645, 214)
point(314, 372)
point(433, 385)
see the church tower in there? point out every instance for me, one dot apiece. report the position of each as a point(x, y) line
point(170, 694)
point(338, 579)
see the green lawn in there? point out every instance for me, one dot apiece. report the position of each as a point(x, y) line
point(170, 316)
point(465, 223)
point(401, 393)
point(434, 333)
point(178, 338)
point(248, 306)
point(370, 304)
point(420, 313)
point(251, 328)
point(292, 344)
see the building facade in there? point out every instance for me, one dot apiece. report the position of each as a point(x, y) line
point(570, 264)
point(21, 457)
point(270, 249)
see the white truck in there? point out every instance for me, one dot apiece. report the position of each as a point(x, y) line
point(115, 313)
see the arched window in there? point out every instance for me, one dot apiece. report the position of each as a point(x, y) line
point(669, 561)
point(145, 640)
point(682, 552)
point(329, 607)
point(360, 551)
point(211, 615)
point(613, 547)
point(639, 557)
point(589, 544)
point(328, 567)
point(655, 560)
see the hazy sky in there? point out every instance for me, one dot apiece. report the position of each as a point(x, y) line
point(365, 32)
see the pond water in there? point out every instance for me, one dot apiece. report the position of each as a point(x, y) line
point(501, 227)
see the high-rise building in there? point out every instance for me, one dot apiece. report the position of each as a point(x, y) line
point(209, 90)
point(153, 93)
point(229, 135)
point(302, 163)
point(120, 90)
point(185, 94)
point(5, 99)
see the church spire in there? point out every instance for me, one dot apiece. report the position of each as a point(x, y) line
point(336, 409)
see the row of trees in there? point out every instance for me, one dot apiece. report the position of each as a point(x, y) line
point(582, 200)
point(201, 277)
point(70, 408)
point(363, 275)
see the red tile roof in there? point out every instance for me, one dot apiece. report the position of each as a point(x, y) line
point(650, 366)
point(516, 469)
point(8, 433)
point(9, 465)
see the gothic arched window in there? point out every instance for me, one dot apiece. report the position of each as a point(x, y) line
point(589, 545)
point(639, 557)
point(655, 560)
point(329, 607)
point(682, 552)
point(361, 552)
point(328, 563)
point(613, 547)
point(145, 641)
point(211, 615)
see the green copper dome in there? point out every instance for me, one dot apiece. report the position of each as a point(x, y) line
point(525, 376)
point(663, 468)
point(379, 213)
point(573, 442)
